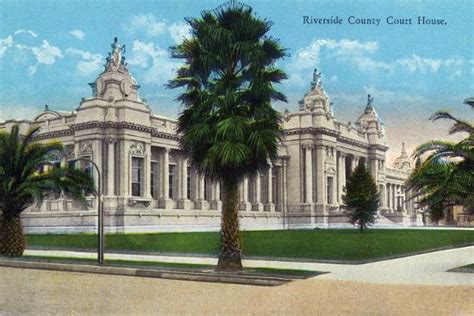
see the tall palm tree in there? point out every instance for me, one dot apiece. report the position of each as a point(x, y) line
point(22, 183)
point(444, 174)
point(229, 128)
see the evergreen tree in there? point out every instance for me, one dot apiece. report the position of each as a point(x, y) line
point(361, 199)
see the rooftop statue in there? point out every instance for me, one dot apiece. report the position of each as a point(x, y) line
point(316, 79)
point(370, 101)
point(115, 59)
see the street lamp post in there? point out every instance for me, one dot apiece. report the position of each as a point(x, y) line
point(100, 207)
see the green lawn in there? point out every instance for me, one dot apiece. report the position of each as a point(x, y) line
point(469, 266)
point(173, 266)
point(327, 244)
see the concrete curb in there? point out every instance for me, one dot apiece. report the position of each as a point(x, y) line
point(200, 276)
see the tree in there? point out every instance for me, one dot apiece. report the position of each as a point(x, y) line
point(228, 126)
point(361, 199)
point(22, 183)
point(444, 174)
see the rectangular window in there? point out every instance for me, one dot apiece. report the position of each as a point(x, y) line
point(153, 179)
point(275, 185)
point(206, 189)
point(188, 183)
point(137, 168)
point(329, 188)
point(171, 181)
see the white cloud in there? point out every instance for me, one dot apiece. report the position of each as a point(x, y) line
point(159, 66)
point(32, 70)
point(309, 56)
point(5, 43)
point(361, 55)
point(27, 32)
point(178, 31)
point(416, 63)
point(17, 112)
point(78, 34)
point(146, 23)
point(89, 63)
point(46, 54)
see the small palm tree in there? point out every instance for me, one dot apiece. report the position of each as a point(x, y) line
point(229, 128)
point(22, 184)
point(444, 174)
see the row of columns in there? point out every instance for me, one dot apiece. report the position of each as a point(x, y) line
point(396, 197)
point(316, 175)
point(201, 201)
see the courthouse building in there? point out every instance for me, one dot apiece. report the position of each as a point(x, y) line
point(148, 184)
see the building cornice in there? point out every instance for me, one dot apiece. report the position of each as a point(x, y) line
point(98, 124)
point(329, 132)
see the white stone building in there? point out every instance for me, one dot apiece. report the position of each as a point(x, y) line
point(149, 186)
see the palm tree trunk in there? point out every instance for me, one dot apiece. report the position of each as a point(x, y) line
point(13, 241)
point(230, 256)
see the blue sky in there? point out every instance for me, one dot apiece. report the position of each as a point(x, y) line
point(50, 50)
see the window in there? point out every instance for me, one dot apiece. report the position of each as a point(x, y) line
point(206, 189)
point(137, 167)
point(329, 188)
point(153, 178)
point(171, 181)
point(275, 185)
point(188, 183)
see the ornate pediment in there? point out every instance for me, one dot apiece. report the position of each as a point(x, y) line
point(137, 148)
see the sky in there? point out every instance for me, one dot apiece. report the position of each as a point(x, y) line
point(51, 50)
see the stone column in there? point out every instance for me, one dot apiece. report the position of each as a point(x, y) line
point(387, 190)
point(284, 200)
point(309, 175)
point(335, 190)
point(353, 163)
point(321, 175)
point(394, 197)
point(339, 178)
point(258, 205)
point(270, 206)
point(110, 167)
point(201, 203)
point(125, 167)
point(147, 172)
point(216, 203)
point(183, 202)
point(344, 176)
point(165, 202)
point(245, 205)
point(321, 201)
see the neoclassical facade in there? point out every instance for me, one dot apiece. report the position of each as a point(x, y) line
point(148, 184)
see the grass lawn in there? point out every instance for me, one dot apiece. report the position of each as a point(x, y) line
point(326, 244)
point(469, 267)
point(179, 266)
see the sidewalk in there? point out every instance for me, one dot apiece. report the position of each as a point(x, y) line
point(428, 269)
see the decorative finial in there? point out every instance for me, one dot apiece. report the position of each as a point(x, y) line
point(370, 100)
point(403, 148)
point(46, 108)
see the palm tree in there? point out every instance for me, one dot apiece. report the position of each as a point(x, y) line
point(229, 128)
point(444, 175)
point(22, 183)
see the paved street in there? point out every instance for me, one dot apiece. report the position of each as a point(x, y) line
point(413, 285)
point(24, 291)
point(429, 269)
